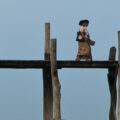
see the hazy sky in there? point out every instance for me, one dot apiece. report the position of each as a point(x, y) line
point(85, 92)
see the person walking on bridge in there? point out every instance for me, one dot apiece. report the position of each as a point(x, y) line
point(84, 42)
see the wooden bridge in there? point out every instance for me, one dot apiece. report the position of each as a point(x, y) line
point(51, 84)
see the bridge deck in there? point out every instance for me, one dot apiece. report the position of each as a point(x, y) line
point(33, 64)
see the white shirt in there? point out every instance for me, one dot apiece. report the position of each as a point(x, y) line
point(83, 29)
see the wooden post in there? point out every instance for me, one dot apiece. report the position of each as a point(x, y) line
point(55, 82)
point(119, 75)
point(112, 54)
point(47, 81)
point(47, 41)
point(112, 77)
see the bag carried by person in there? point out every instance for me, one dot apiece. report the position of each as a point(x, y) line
point(92, 42)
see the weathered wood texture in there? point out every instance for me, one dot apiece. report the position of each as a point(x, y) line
point(84, 64)
point(112, 78)
point(38, 64)
point(55, 82)
point(47, 82)
point(47, 41)
point(119, 75)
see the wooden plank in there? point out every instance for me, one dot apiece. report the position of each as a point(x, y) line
point(23, 64)
point(55, 82)
point(112, 78)
point(38, 64)
point(84, 64)
point(119, 75)
point(47, 82)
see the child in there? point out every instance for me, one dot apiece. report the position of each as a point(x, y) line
point(84, 42)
